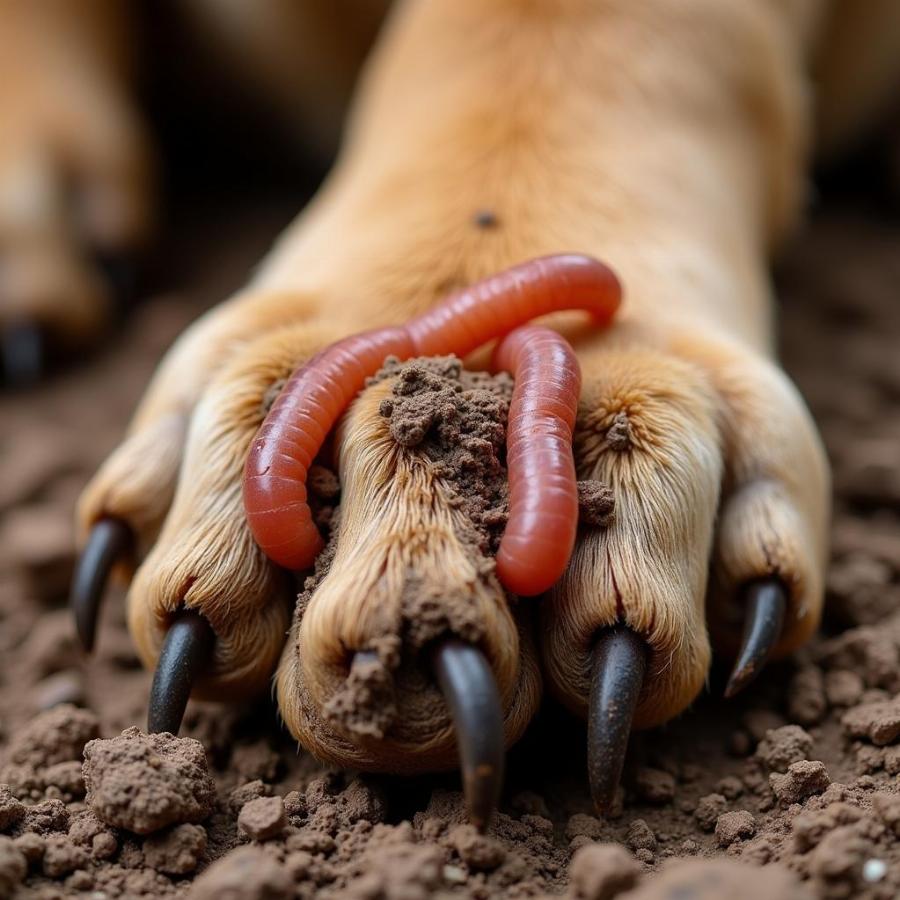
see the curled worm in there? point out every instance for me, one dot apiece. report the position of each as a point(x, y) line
point(543, 492)
point(315, 396)
point(294, 431)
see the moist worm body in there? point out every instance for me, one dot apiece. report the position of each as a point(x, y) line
point(274, 487)
point(543, 492)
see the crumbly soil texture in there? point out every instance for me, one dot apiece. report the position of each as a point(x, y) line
point(790, 790)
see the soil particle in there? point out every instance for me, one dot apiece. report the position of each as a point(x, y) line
point(843, 687)
point(802, 779)
point(13, 867)
point(640, 836)
point(365, 704)
point(247, 873)
point(263, 818)
point(583, 825)
point(89, 832)
point(836, 864)
point(783, 746)
point(877, 722)
point(323, 482)
point(457, 420)
point(708, 810)
point(479, 852)
point(62, 856)
point(31, 846)
point(807, 703)
point(66, 779)
point(887, 807)
point(619, 435)
point(735, 826)
point(601, 872)
point(401, 870)
point(56, 736)
point(145, 782)
point(731, 787)
point(45, 817)
point(177, 850)
point(596, 504)
point(11, 810)
point(715, 879)
point(245, 793)
point(870, 652)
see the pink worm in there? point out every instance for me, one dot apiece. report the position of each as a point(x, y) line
point(543, 493)
point(315, 396)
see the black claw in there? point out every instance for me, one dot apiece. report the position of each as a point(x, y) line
point(185, 653)
point(22, 354)
point(766, 605)
point(620, 660)
point(468, 686)
point(109, 541)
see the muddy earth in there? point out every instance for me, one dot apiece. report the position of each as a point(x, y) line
point(790, 790)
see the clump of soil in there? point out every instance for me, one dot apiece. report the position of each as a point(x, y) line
point(790, 790)
point(145, 782)
point(596, 503)
point(457, 420)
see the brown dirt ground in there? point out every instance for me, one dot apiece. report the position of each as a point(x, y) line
point(814, 801)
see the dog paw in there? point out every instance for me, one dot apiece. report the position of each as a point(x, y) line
point(720, 493)
point(169, 499)
point(75, 182)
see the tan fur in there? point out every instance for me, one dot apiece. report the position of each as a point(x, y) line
point(76, 167)
point(405, 573)
point(667, 137)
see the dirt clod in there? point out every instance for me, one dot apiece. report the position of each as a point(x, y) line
point(735, 826)
point(13, 867)
point(878, 722)
point(263, 818)
point(596, 504)
point(802, 779)
point(457, 419)
point(247, 873)
point(479, 852)
point(11, 810)
point(783, 746)
point(177, 850)
point(714, 879)
point(601, 872)
point(144, 782)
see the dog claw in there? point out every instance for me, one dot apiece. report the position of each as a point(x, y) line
point(766, 604)
point(468, 686)
point(109, 540)
point(620, 660)
point(185, 653)
point(22, 356)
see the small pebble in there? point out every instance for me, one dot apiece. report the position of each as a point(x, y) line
point(874, 870)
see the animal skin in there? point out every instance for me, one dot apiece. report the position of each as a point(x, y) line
point(670, 139)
